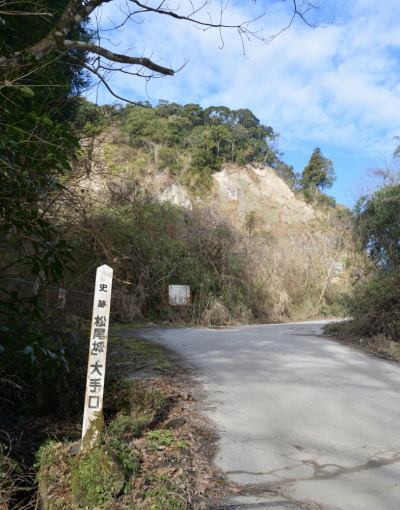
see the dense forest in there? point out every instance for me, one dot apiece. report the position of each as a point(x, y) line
point(192, 141)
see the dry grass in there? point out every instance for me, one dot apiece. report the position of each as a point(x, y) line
point(17, 483)
point(278, 258)
point(378, 345)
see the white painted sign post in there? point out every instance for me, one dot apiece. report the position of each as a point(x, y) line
point(98, 347)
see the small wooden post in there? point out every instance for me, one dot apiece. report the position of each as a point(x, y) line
point(97, 351)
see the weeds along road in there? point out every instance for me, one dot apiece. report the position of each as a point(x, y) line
point(299, 413)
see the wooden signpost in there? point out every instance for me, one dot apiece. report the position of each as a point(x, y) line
point(97, 349)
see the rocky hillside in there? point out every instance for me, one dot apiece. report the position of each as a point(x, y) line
point(274, 255)
point(251, 195)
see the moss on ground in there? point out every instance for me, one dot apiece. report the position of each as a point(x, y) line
point(89, 479)
point(129, 354)
point(125, 425)
point(54, 476)
point(133, 464)
point(96, 477)
point(160, 437)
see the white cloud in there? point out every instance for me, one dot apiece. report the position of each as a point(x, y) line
point(336, 85)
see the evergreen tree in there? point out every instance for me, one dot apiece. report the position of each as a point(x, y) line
point(318, 173)
point(37, 144)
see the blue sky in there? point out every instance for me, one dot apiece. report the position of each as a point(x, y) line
point(336, 87)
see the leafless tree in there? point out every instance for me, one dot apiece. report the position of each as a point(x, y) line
point(101, 61)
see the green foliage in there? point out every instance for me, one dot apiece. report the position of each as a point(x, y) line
point(378, 225)
point(375, 304)
point(35, 355)
point(164, 498)
point(89, 119)
point(325, 200)
point(37, 145)
point(169, 158)
point(127, 425)
point(199, 140)
point(146, 403)
point(287, 173)
point(124, 452)
point(161, 244)
point(140, 406)
point(318, 173)
point(35, 152)
point(40, 357)
point(337, 308)
point(47, 454)
point(160, 437)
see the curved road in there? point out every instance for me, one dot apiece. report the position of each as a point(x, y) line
point(297, 413)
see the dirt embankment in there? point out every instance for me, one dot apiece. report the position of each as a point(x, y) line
point(155, 452)
point(378, 346)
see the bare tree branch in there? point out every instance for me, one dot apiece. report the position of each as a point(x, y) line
point(117, 57)
point(104, 82)
point(172, 14)
point(58, 43)
point(9, 8)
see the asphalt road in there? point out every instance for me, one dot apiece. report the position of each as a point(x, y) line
point(298, 413)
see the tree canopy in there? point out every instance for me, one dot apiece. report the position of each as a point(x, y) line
point(37, 146)
point(378, 224)
point(209, 136)
point(319, 173)
point(37, 143)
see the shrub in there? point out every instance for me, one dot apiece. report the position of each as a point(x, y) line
point(378, 225)
point(127, 425)
point(39, 358)
point(375, 306)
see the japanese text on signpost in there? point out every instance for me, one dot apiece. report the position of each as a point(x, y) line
point(98, 346)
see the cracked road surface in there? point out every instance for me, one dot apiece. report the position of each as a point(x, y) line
point(298, 414)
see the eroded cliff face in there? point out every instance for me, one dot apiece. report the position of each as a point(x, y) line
point(253, 197)
point(257, 196)
point(250, 195)
point(299, 255)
